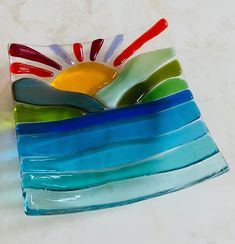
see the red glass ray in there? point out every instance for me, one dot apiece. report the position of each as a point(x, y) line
point(95, 48)
point(78, 51)
point(19, 68)
point(155, 30)
point(21, 51)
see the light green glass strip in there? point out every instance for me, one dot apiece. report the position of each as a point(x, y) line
point(164, 89)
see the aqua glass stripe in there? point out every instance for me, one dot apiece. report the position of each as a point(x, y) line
point(40, 202)
point(180, 157)
point(142, 127)
point(108, 116)
point(118, 154)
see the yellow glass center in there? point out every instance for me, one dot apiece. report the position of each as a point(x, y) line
point(86, 78)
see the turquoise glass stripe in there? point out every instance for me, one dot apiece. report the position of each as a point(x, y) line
point(91, 138)
point(40, 202)
point(118, 154)
point(177, 158)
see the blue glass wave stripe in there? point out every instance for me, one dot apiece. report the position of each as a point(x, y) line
point(137, 128)
point(177, 158)
point(43, 202)
point(118, 154)
point(95, 119)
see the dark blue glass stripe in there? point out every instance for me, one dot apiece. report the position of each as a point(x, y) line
point(141, 127)
point(107, 116)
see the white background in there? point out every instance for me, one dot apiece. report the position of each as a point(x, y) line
point(204, 35)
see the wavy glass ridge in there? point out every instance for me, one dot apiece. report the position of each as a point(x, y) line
point(121, 192)
point(118, 154)
point(179, 157)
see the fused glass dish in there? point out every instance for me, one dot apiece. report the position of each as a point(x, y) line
point(106, 123)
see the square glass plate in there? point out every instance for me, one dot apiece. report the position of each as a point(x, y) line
point(106, 123)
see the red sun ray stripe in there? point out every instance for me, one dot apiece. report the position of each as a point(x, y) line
point(95, 48)
point(19, 68)
point(155, 30)
point(78, 51)
point(21, 51)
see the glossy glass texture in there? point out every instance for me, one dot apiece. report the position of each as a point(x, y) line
point(36, 92)
point(95, 48)
point(59, 50)
point(106, 123)
point(92, 77)
point(19, 68)
point(117, 41)
point(136, 92)
point(95, 119)
point(155, 30)
point(136, 70)
point(25, 52)
point(41, 202)
point(25, 113)
point(78, 51)
point(183, 156)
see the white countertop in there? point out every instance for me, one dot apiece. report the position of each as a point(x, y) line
point(204, 35)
